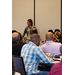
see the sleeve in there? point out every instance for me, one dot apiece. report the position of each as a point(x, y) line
point(49, 73)
point(43, 57)
point(25, 31)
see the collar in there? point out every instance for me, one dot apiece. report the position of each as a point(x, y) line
point(31, 43)
point(49, 41)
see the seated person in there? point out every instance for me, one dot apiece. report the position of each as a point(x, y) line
point(50, 46)
point(32, 54)
point(21, 39)
point(57, 68)
point(34, 30)
point(14, 31)
point(58, 36)
point(16, 45)
point(52, 32)
point(56, 30)
point(13, 68)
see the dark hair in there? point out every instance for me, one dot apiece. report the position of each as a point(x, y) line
point(50, 30)
point(57, 30)
point(14, 31)
point(34, 31)
point(30, 20)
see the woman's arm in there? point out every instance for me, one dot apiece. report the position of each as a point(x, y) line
point(25, 31)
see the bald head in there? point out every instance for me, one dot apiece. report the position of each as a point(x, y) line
point(35, 38)
point(15, 36)
point(49, 36)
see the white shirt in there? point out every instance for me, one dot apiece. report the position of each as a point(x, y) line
point(28, 37)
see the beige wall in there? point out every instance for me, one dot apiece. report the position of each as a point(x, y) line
point(21, 11)
point(47, 15)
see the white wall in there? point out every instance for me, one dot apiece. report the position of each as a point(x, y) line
point(21, 11)
point(48, 16)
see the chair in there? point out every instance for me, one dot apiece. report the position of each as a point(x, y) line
point(19, 65)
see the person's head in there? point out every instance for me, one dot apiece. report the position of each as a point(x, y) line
point(35, 38)
point(50, 30)
point(58, 35)
point(57, 30)
point(49, 36)
point(14, 31)
point(20, 36)
point(29, 22)
point(13, 66)
point(34, 30)
point(61, 49)
point(15, 37)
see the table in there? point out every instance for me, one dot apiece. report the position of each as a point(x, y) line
point(47, 66)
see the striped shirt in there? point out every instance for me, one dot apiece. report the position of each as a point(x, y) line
point(32, 54)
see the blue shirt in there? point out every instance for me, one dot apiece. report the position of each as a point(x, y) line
point(32, 54)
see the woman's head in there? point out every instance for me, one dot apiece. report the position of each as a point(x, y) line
point(29, 22)
point(58, 35)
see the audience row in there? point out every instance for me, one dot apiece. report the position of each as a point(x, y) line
point(32, 52)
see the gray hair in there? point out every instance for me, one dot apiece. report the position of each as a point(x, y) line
point(14, 39)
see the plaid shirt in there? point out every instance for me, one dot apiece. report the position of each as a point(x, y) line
point(31, 55)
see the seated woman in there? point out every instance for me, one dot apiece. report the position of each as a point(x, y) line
point(58, 36)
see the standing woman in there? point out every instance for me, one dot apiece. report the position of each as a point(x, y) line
point(28, 28)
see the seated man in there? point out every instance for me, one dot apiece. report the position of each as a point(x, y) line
point(34, 31)
point(53, 33)
point(50, 46)
point(57, 68)
point(16, 45)
point(50, 30)
point(32, 54)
